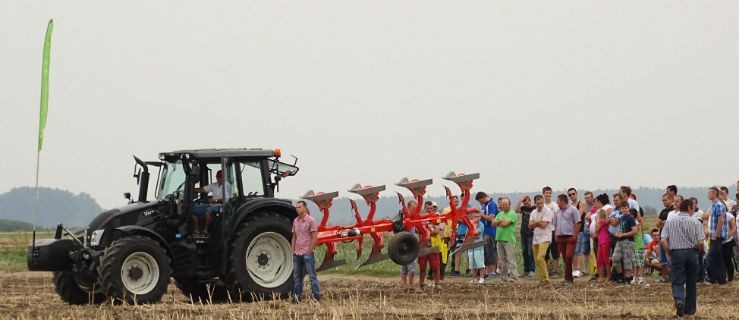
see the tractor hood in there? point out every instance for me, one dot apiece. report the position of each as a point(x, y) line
point(126, 215)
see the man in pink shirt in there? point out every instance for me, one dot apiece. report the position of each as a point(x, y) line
point(305, 236)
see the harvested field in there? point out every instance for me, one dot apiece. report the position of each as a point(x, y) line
point(31, 295)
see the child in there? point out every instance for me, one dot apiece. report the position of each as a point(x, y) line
point(408, 271)
point(623, 254)
point(604, 245)
point(638, 248)
point(477, 255)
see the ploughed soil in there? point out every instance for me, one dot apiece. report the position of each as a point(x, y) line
point(30, 295)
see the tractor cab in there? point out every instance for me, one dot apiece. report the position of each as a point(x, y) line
point(247, 175)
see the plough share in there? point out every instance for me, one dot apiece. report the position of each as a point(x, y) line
point(403, 247)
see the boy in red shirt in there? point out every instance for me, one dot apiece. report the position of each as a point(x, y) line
point(651, 253)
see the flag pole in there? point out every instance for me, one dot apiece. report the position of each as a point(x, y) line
point(42, 119)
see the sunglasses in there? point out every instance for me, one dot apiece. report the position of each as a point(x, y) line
point(571, 194)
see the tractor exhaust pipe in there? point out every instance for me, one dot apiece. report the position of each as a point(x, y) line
point(142, 178)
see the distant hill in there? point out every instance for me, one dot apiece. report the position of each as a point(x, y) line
point(11, 225)
point(650, 200)
point(55, 206)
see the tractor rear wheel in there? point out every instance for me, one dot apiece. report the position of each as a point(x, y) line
point(134, 269)
point(260, 260)
point(403, 248)
point(201, 292)
point(73, 292)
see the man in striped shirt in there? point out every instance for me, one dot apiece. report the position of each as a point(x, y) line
point(682, 239)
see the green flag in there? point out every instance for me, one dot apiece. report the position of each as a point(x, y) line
point(45, 84)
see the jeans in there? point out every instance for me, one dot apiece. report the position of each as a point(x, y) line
point(663, 257)
point(583, 244)
point(527, 252)
point(201, 208)
point(491, 253)
point(552, 250)
point(727, 253)
point(715, 262)
point(701, 265)
point(540, 252)
point(684, 264)
point(566, 246)
point(303, 264)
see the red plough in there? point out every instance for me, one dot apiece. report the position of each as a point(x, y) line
point(403, 247)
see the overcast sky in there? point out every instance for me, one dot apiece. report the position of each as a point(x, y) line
point(591, 94)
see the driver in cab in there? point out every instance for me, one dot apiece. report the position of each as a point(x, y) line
point(204, 211)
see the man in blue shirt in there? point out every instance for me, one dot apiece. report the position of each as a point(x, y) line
point(489, 210)
point(718, 232)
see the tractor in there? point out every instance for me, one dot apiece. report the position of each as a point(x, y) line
point(129, 254)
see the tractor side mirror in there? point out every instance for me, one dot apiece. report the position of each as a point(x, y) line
point(276, 185)
point(127, 196)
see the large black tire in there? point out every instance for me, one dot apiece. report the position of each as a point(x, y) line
point(201, 292)
point(260, 258)
point(403, 248)
point(72, 292)
point(146, 267)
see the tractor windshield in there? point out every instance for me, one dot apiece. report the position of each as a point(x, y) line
point(173, 179)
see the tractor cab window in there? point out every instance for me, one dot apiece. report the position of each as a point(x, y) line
point(251, 175)
point(244, 179)
point(173, 179)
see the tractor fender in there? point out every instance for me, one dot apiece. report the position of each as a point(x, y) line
point(278, 206)
point(138, 230)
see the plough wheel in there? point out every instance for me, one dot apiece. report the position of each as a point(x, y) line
point(403, 248)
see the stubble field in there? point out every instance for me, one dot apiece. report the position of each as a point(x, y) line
point(27, 295)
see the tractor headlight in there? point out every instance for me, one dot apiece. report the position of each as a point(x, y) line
point(96, 236)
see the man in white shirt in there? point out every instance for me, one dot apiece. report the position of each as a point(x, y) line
point(205, 211)
point(724, 195)
point(626, 194)
point(540, 222)
point(552, 250)
point(697, 212)
point(673, 214)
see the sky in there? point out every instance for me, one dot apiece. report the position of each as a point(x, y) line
point(590, 94)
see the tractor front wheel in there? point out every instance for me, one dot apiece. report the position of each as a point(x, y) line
point(73, 292)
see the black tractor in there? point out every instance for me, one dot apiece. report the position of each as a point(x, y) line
point(128, 254)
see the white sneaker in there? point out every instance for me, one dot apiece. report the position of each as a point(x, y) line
point(482, 280)
point(640, 280)
point(576, 273)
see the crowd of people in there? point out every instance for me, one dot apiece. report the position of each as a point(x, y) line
point(611, 226)
point(566, 228)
